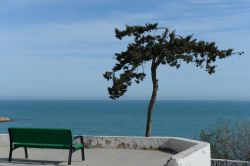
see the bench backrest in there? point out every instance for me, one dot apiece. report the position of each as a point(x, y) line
point(41, 136)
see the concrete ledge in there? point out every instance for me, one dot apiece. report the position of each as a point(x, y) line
point(185, 152)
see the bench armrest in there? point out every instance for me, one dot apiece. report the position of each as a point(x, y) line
point(79, 137)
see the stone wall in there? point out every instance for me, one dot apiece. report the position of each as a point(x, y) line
point(144, 143)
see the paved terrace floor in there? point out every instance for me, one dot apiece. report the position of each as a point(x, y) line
point(94, 157)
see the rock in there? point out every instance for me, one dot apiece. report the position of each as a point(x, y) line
point(4, 119)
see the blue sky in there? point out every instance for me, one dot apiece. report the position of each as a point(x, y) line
point(59, 49)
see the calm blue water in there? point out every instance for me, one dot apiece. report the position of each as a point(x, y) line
point(171, 118)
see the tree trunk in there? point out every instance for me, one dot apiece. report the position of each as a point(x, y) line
point(152, 102)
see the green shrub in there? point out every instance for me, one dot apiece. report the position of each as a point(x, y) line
point(229, 141)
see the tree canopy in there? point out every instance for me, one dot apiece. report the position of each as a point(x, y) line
point(165, 48)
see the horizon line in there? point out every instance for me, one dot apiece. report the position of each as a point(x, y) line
point(124, 100)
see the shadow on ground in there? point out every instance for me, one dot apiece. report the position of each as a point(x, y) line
point(30, 162)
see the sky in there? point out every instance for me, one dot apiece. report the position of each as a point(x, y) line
point(59, 49)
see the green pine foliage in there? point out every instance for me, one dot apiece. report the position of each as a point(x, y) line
point(158, 45)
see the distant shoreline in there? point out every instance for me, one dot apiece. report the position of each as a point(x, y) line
point(4, 119)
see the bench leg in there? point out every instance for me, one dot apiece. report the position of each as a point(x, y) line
point(26, 152)
point(10, 154)
point(83, 156)
point(70, 156)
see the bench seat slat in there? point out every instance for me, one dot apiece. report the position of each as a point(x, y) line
point(75, 146)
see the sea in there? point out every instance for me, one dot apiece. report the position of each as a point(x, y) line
point(123, 118)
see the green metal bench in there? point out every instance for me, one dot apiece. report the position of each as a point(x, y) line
point(44, 138)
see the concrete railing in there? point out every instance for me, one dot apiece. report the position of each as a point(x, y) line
point(185, 152)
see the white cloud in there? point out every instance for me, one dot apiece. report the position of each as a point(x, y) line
point(90, 38)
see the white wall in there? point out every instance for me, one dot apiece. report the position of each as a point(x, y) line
point(188, 152)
